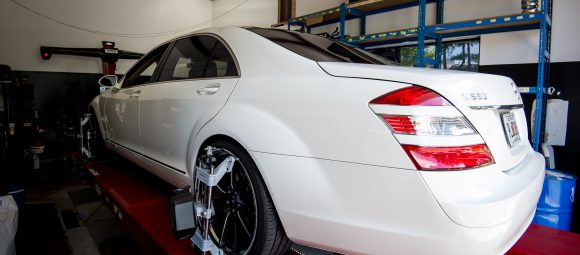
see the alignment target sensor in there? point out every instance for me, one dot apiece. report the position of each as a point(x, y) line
point(182, 214)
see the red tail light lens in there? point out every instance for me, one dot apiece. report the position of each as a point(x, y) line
point(413, 95)
point(404, 122)
point(449, 158)
point(401, 124)
point(429, 125)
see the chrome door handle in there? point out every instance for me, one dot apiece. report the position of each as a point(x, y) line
point(209, 89)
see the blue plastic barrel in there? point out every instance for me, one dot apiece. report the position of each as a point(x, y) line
point(557, 200)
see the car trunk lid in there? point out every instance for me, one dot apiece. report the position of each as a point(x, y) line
point(487, 101)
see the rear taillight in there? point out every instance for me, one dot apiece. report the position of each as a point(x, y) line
point(429, 125)
point(449, 158)
point(451, 126)
point(413, 95)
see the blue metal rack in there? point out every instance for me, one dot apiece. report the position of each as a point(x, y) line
point(360, 10)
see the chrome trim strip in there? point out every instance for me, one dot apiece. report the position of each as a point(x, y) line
point(497, 107)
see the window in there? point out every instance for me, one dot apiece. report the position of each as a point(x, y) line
point(143, 72)
point(222, 61)
point(198, 57)
point(462, 55)
point(318, 48)
point(458, 55)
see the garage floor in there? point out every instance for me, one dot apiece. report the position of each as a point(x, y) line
point(64, 216)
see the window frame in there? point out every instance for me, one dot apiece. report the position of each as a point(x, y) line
point(161, 65)
point(219, 39)
point(154, 76)
point(168, 53)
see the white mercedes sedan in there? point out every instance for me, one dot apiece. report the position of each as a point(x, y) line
point(288, 137)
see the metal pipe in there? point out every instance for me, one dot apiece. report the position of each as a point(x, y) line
point(209, 193)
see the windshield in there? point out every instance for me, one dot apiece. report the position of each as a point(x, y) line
point(318, 48)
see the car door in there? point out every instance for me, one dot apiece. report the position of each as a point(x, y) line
point(197, 77)
point(122, 105)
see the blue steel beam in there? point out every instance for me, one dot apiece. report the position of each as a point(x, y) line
point(429, 61)
point(397, 7)
point(505, 21)
point(439, 50)
point(356, 12)
point(543, 73)
point(393, 41)
point(412, 32)
point(342, 22)
point(421, 34)
point(363, 25)
point(491, 30)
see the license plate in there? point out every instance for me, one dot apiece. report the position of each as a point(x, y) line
point(510, 127)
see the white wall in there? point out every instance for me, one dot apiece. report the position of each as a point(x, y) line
point(304, 7)
point(260, 13)
point(22, 32)
point(502, 48)
point(522, 47)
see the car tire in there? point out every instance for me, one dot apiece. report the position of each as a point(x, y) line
point(269, 237)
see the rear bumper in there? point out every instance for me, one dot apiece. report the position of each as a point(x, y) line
point(488, 196)
point(363, 209)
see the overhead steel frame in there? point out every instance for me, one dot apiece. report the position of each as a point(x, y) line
point(541, 20)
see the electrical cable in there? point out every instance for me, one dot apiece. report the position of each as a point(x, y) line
point(138, 35)
point(94, 212)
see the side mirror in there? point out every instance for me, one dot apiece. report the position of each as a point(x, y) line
point(107, 81)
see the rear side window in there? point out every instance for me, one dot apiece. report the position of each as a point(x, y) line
point(318, 48)
point(188, 58)
point(222, 61)
point(196, 57)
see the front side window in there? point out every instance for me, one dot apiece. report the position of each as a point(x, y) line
point(195, 57)
point(318, 48)
point(143, 71)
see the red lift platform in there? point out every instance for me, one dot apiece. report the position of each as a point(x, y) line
point(141, 203)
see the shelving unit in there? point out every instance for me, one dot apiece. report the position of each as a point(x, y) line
point(360, 10)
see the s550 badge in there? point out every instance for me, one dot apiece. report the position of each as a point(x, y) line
point(474, 96)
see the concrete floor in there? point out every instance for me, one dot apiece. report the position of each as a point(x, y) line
point(89, 226)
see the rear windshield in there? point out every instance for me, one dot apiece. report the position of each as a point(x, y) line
point(319, 48)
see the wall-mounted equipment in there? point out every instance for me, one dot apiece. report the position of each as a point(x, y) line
point(108, 54)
